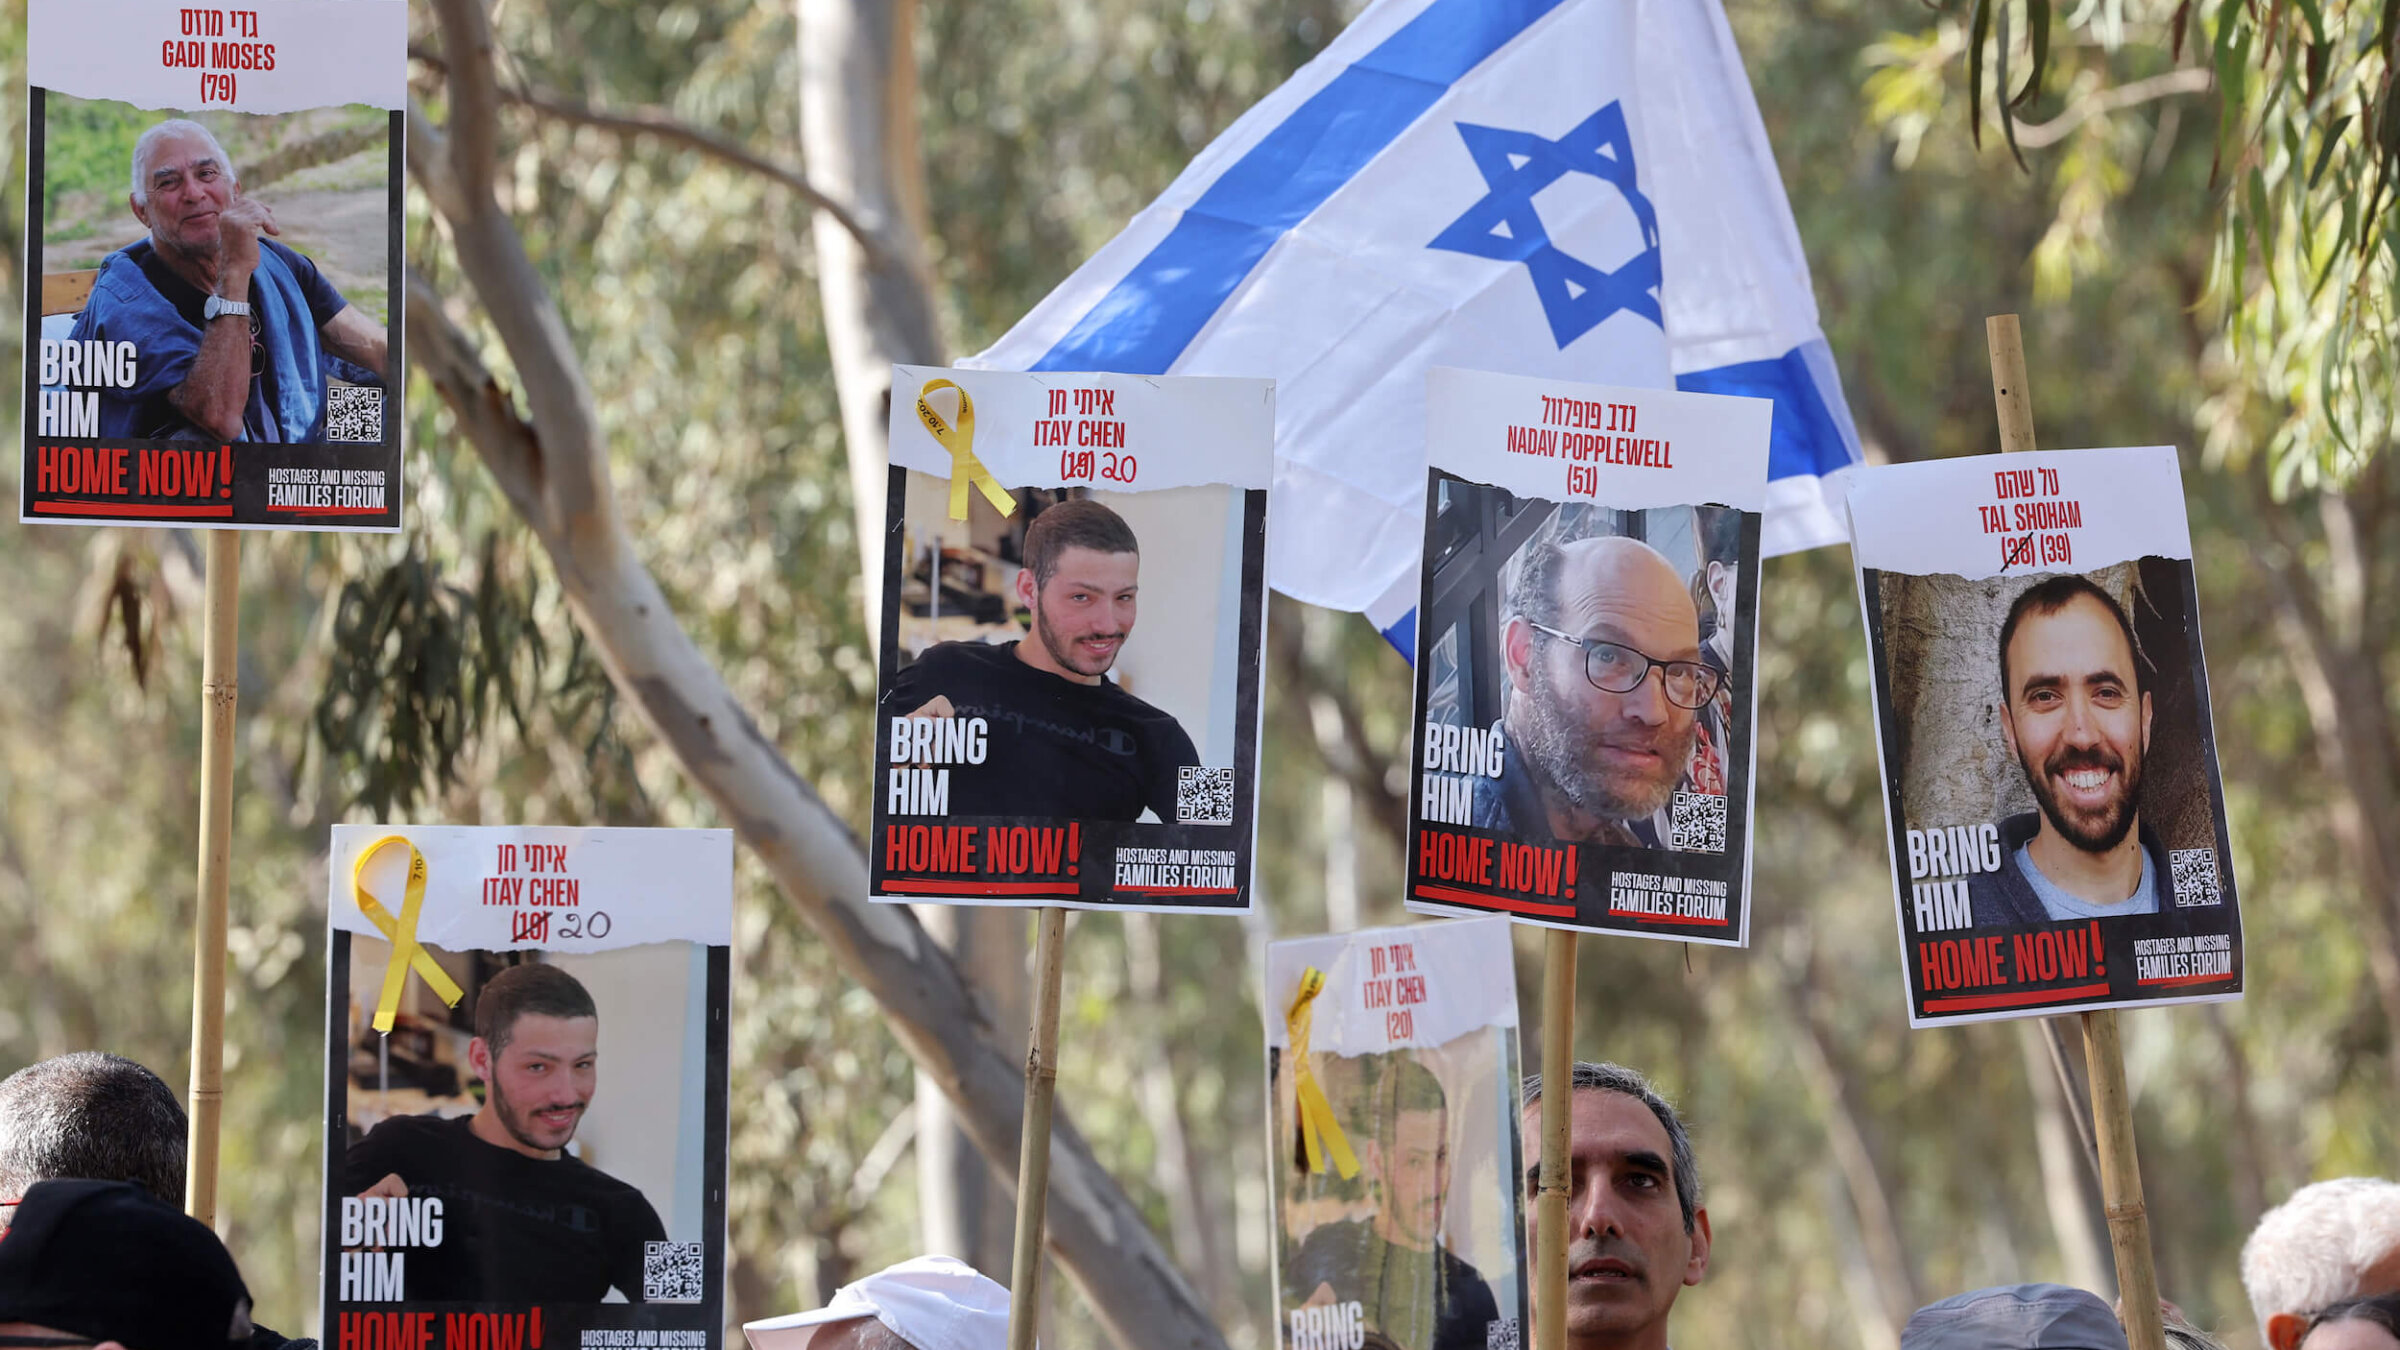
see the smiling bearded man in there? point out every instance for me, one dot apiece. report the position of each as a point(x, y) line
point(522, 1220)
point(2077, 720)
point(1064, 741)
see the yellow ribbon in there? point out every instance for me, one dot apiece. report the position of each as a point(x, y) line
point(402, 933)
point(1316, 1114)
point(960, 442)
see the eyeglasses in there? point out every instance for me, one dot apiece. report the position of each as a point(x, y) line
point(1615, 668)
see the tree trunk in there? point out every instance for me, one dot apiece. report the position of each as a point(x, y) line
point(2337, 629)
point(2068, 1183)
point(858, 134)
point(1878, 1229)
point(553, 468)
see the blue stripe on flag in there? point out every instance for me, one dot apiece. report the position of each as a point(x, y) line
point(1807, 442)
point(1155, 310)
point(1403, 635)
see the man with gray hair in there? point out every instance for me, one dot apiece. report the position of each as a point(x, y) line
point(1600, 644)
point(1637, 1231)
point(90, 1116)
point(2331, 1241)
point(234, 334)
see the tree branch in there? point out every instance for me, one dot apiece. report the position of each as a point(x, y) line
point(474, 93)
point(1340, 730)
point(553, 464)
point(637, 122)
point(2117, 98)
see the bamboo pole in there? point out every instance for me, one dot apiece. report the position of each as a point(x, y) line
point(2103, 1052)
point(220, 623)
point(1033, 1156)
point(2121, 1183)
point(1558, 1104)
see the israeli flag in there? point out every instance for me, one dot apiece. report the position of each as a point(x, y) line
point(1578, 189)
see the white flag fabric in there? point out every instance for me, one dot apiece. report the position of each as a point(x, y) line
point(1578, 189)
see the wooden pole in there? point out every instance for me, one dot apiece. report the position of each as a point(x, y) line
point(1033, 1156)
point(220, 624)
point(2121, 1183)
point(2103, 1053)
point(1558, 1104)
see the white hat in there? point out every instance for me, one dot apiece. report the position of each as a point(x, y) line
point(933, 1302)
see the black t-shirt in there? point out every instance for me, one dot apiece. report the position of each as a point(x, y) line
point(1421, 1300)
point(1056, 747)
point(515, 1228)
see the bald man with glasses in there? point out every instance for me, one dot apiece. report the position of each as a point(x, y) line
point(1601, 644)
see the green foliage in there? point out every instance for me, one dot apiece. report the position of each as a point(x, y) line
point(2304, 268)
point(440, 675)
point(87, 147)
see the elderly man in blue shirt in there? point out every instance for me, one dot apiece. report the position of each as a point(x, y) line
point(235, 334)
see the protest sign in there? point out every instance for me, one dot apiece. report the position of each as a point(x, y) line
point(1036, 745)
point(1586, 636)
point(526, 1087)
point(1392, 1098)
point(212, 328)
point(2057, 819)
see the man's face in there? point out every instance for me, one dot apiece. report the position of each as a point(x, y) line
point(2075, 723)
point(1084, 613)
point(1614, 756)
point(1414, 1169)
point(543, 1078)
point(189, 187)
point(1628, 1255)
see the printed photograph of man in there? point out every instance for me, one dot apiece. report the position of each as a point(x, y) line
point(1395, 1263)
point(2075, 712)
point(1064, 740)
point(524, 1219)
point(236, 333)
point(1600, 646)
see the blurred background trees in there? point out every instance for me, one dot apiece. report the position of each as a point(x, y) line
point(2164, 263)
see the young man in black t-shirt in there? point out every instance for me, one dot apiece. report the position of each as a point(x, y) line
point(1394, 1267)
point(1060, 741)
point(522, 1221)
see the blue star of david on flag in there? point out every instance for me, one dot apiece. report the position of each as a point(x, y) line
point(1576, 296)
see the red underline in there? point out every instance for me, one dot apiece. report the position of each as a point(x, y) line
point(161, 509)
point(1429, 891)
point(933, 886)
point(2025, 999)
point(2187, 979)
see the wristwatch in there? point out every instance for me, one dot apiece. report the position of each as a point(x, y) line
point(218, 306)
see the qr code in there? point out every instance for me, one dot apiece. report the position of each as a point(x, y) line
point(1203, 796)
point(1699, 823)
point(1500, 1334)
point(2195, 877)
point(353, 413)
point(671, 1272)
